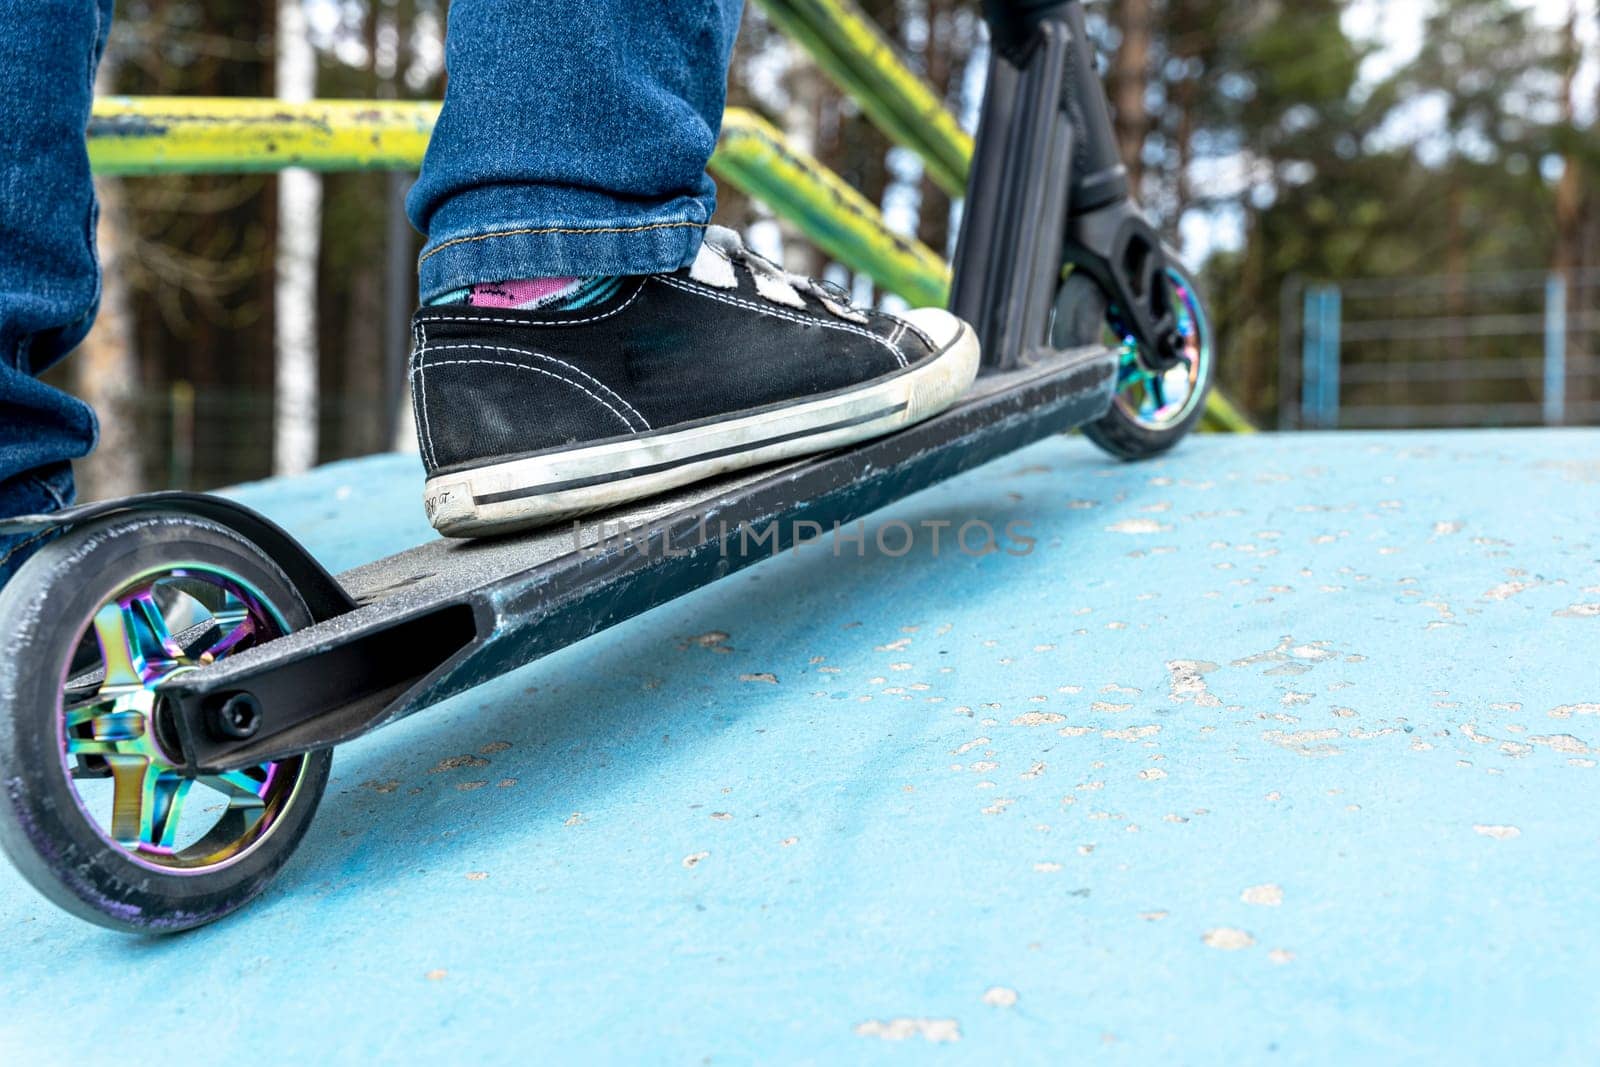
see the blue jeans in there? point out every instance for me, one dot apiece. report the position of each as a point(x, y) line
point(49, 282)
point(573, 141)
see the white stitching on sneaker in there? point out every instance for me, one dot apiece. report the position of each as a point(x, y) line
point(906, 326)
point(772, 282)
point(470, 319)
point(537, 370)
point(909, 325)
point(420, 394)
point(411, 368)
point(694, 290)
point(591, 379)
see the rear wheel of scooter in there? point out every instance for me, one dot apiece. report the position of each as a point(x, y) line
point(1152, 411)
point(95, 812)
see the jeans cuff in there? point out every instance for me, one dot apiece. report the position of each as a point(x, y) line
point(462, 251)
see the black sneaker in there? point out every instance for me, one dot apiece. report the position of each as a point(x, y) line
point(528, 417)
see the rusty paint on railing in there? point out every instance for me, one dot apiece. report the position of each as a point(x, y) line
point(132, 135)
point(847, 226)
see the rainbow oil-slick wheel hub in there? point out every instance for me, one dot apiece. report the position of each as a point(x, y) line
point(1161, 400)
point(119, 747)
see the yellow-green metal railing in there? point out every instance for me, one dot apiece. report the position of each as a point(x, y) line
point(168, 135)
point(199, 135)
point(853, 51)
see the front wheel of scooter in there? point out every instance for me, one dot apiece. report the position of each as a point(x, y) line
point(95, 811)
point(1151, 411)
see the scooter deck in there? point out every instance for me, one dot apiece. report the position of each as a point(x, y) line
point(439, 619)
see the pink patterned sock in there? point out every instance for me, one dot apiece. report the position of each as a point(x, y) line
point(535, 294)
point(524, 293)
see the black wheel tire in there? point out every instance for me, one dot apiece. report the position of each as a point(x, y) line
point(1080, 319)
point(43, 609)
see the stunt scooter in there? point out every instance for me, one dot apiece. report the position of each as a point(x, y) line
point(178, 669)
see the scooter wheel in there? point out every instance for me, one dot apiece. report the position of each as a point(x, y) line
point(1151, 410)
point(94, 811)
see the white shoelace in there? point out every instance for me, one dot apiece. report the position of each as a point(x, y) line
point(722, 248)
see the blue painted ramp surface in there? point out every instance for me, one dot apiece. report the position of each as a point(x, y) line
point(1279, 750)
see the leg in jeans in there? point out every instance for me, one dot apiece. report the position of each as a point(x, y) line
point(49, 280)
point(574, 139)
point(586, 340)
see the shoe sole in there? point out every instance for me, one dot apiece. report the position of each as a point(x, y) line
point(537, 490)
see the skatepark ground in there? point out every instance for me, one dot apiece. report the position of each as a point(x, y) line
point(1279, 749)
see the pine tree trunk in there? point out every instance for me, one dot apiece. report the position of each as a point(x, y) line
point(1570, 196)
point(1257, 363)
point(106, 366)
point(299, 239)
point(802, 121)
point(1183, 192)
point(1586, 360)
point(1455, 265)
point(1129, 81)
point(933, 227)
point(399, 252)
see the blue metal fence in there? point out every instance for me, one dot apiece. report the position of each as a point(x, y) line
point(1513, 349)
point(1319, 389)
point(1555, 349)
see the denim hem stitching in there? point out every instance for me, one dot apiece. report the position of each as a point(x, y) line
point(537, 230)
point(20, 545)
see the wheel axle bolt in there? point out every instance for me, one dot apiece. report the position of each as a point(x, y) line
point(238, 717)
